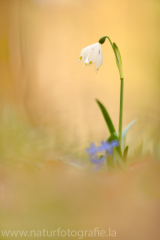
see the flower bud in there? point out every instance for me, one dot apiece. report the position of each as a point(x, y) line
point(118, 59)
point(102, 40)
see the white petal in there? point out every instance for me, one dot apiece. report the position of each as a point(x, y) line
point(94, 54)
point(86, 51)
point(99, 61)
point(86, 61)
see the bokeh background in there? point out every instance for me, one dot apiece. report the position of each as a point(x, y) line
point(40, 44)
point(48, 108)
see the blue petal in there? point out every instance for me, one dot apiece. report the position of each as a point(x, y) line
point(92, 149)
point(108, 146)
point(104, 145)
point(96, 160)
point(114, 143)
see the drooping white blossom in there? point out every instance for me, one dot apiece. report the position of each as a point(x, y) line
point(92, 54)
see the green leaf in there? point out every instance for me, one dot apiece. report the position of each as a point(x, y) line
point(118, 55)
point(107, 118)
point(114, 137)
point(118, 59)
point(124, 132)
point(110, 125)
point(125, 153)
point(120, 161)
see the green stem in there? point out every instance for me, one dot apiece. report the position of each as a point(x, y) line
point(121, 112)
point(103, 40)
point(109, 41)
point(119, 65)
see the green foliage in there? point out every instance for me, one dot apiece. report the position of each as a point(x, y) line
point(120, 160)
point(107, 118)
point(118, 59)
point(125, 130)
point(110, 125)
point(125, 153)
point(113, 134)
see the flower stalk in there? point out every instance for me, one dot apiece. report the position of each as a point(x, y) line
point(121, 112)
point(119, 65)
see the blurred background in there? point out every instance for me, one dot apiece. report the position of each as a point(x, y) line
point(41, 41)
point(48, 109)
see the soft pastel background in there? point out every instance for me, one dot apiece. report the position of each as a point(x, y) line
point(48, 112)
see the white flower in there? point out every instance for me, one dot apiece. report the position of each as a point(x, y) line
point(92, 54)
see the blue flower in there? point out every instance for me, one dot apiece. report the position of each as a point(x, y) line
point(92, 151)
point(94, 159)
point(108, 146)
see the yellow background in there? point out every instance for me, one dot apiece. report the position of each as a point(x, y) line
point(40, 44)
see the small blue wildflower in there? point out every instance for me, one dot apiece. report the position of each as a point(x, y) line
point(97, 160)
point(108, 146)
point(92, 151)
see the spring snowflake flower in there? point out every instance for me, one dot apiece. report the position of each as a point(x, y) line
point(92, 54)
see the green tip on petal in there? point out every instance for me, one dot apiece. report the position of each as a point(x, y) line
point(102, 40)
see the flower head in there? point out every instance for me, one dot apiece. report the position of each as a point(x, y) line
point(92, 150)
point(108, 146)
point(94, 159)
point(92, 54)
point(93, 156)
